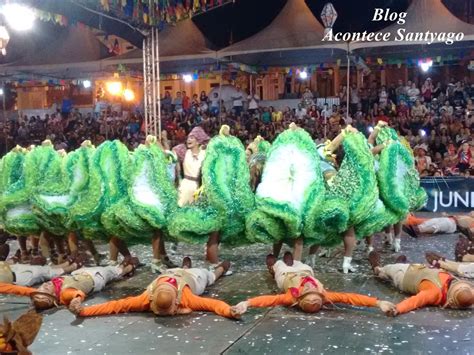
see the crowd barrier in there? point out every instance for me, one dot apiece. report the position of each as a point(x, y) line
point(449, 194)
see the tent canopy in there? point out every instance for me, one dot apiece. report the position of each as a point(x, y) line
point(181, 42)
point(294, 29)
point(57, 55)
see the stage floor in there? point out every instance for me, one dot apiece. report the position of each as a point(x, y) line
point(336, 329)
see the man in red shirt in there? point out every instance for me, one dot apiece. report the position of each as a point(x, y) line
point(429, 287)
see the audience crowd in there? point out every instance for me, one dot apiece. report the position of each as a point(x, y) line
point(435, 118)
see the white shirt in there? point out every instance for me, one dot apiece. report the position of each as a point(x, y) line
point(301, 113)
point(237, 97)
point(253, 101)
point(326, 113)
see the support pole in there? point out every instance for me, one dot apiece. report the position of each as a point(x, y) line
point(348, 78)
point(153, 82)
point(145, 85)
point(158, 83)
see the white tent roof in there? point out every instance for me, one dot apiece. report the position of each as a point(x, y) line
point(181, 42)
point(295, 27)
point(422, 16)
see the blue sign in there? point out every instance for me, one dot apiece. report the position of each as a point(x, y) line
point(449, 194)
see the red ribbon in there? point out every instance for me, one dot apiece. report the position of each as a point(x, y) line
point(58, 284)
point(172, 281)
point(295, 292)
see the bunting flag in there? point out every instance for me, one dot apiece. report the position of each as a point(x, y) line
point(141, 12)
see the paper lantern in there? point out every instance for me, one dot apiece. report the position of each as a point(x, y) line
point(328, 16)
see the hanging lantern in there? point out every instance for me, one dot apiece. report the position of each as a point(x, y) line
point(4, 39)
point(328, 16)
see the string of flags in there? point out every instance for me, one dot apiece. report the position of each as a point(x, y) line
point(154, 12)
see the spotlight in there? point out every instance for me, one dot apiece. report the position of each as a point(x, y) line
point(1, 91)
point(422, 132)
point(426, 65)
point(187, 78)
point(19, 17)
point(128, 95)
point(370, 129)
point(303, 75)
point(114, 87)
point(87, 84)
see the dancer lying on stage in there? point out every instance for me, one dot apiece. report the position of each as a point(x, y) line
point(463, 269)
point(29, 275)
point(302, 289)
point(174, 292)
point(439, 225)
point(77, 286)
point(430, 287)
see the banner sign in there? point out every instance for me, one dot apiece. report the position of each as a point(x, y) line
point(449, 194)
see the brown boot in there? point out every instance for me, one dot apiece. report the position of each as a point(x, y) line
point(187, 263)
point(433, 258)
point(374, 259)
point(466, 231)
point(463, 247)
point(4, 251)
point(402, 259)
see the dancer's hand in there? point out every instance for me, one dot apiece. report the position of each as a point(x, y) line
point(386, 307)
point(76, 306)
point(241, 307)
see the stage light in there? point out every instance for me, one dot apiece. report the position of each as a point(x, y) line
point(426, 65)
point(114, 87)
point(187, 78)
point(1, 91)
point(128, 95)
point(303, 75)
point(87, 84)
point(18, 17)
point(422, 132)
point(370, 129)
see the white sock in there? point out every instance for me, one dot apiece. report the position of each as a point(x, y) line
point(397, 245)
point(347, 260)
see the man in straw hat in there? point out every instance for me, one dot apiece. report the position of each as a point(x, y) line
point(430, 287)
point(174, 292)
point(303, 290)
point(77, 286)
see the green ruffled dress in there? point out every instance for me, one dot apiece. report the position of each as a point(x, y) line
point(16, 211)
point(291, 185)
point(350, 196)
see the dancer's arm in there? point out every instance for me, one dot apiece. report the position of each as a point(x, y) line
point(68, 294)
point(284, 299)
point(351, 298)
point(11, 289)
point(196, 303)
point(427, 297)
point(130, 304)
point(373, 135)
